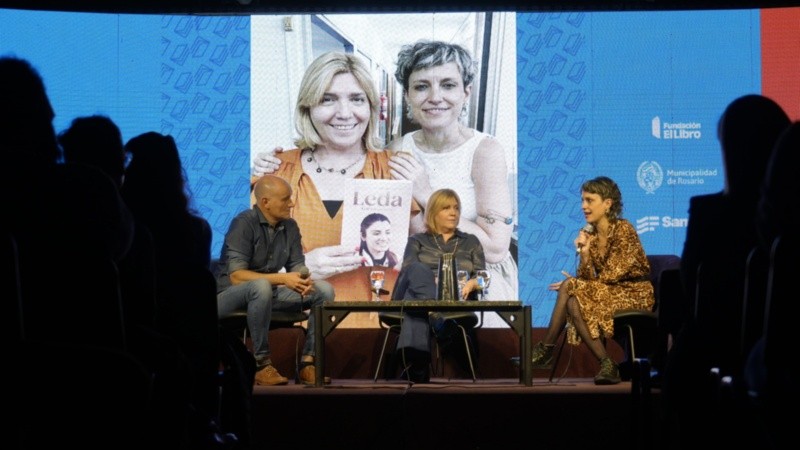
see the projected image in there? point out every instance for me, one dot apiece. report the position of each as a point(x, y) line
point(564, 97)
point(441, 125)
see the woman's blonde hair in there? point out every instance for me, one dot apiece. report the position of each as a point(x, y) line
point(316, 80)
point(436, 203)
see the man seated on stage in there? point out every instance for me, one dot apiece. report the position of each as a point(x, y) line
point(259, 243)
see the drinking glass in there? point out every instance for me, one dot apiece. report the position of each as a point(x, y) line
point(376, 278)
point(484, 278)
point(462, 276)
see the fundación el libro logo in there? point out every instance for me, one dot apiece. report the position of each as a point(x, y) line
point(675, 130)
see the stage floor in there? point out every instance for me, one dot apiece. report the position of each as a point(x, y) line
point(452, 414)
point(460, 386)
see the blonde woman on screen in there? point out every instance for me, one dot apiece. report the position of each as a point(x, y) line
point(335, 118)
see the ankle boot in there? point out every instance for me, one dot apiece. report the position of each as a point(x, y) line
point(609, 372)
point(542, 356)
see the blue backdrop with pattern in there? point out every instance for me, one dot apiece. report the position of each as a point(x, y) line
point(632, 95)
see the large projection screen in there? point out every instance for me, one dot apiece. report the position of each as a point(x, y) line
point(632, 95)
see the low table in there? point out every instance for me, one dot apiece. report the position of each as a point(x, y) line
point(518, 316)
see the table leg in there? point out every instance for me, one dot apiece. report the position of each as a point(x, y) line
point(319, 348)
point(525, 363)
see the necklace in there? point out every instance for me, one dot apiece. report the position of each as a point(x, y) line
point(320, 169)
point(461, 137)
point(436, 241)
point(447, 265)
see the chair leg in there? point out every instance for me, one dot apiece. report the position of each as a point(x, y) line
point(558, 353)
point(298, 353)
point(627, 342)
point(468, 349)
point(437, 368)
point(631, 348)
point(383, 351)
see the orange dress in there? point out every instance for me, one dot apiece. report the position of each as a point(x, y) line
point(618, 279)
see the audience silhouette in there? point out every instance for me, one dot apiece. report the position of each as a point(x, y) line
point(720, 235)
point(84, 201)
point(721, 231)
point(769, 373)
point(155, 190)
point(69, 224)
point(775, 216)
point(96, 141)
point(60, 215)
point(87, 288)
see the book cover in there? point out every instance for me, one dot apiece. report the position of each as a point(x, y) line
point(376, 219)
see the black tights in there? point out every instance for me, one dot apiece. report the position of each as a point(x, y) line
point(569, 305)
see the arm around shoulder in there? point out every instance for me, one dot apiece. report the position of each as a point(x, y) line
point(492, 198)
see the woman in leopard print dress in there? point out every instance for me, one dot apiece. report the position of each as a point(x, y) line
point(613, 274)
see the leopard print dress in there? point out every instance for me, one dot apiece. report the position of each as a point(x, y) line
point(617, 279)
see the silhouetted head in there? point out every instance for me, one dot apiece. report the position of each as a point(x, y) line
point(154, 181)
point(96, 141)
point(26, 116)
point(777, 213)
point(747, 132)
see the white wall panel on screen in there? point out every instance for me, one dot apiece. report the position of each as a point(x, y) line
point(278, 60)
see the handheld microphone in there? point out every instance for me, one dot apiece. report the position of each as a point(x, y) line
point(304, 273)
point(588, 229)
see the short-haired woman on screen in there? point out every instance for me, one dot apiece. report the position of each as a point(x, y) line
point(437, 83)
